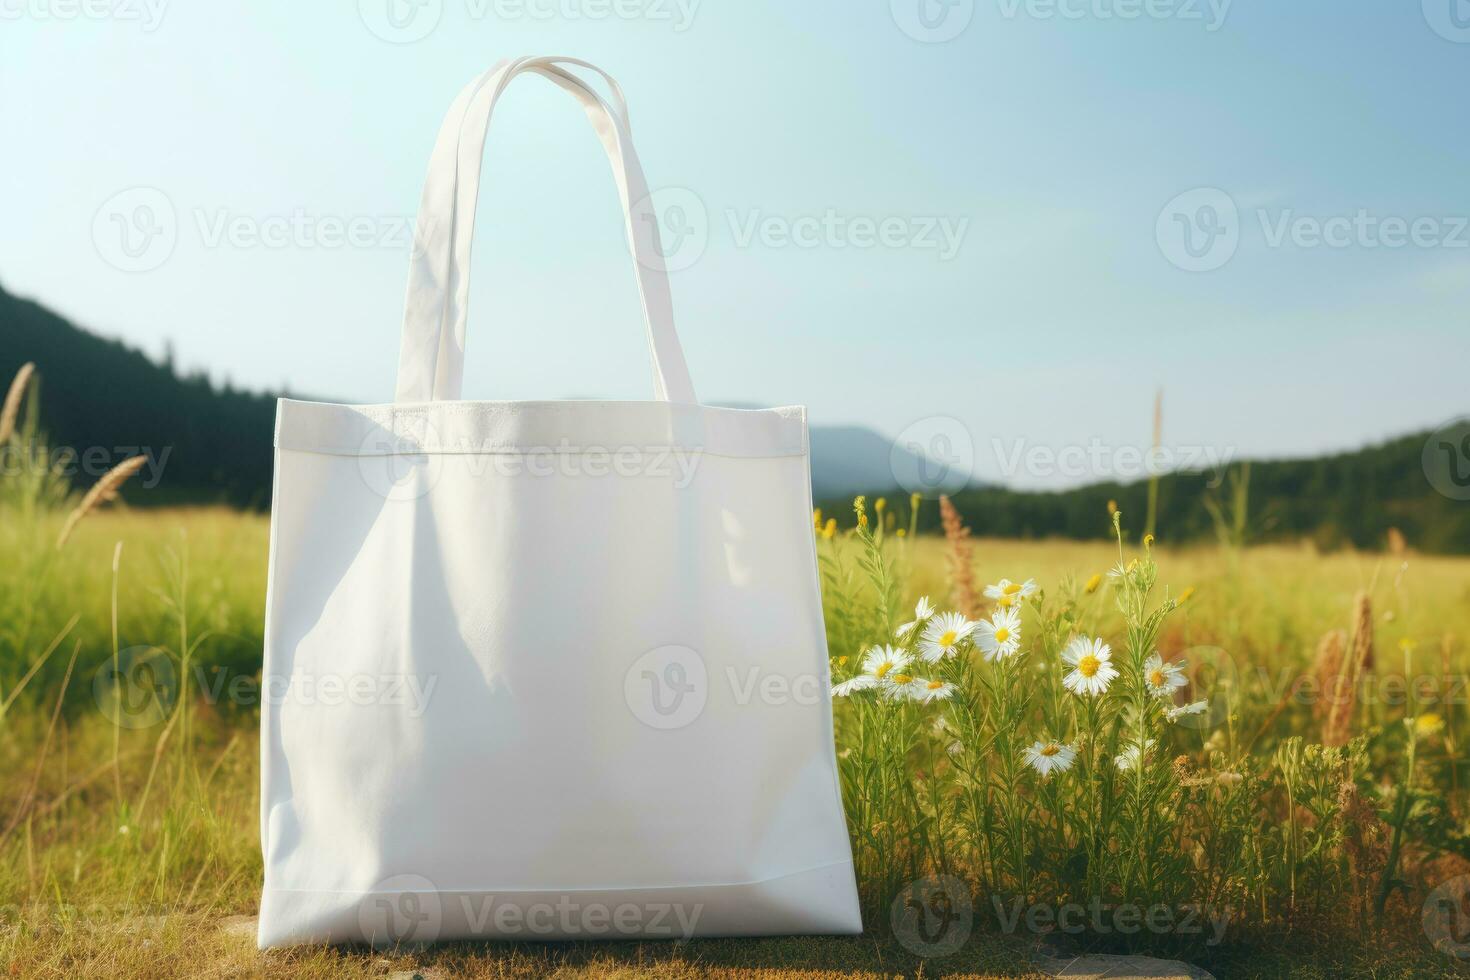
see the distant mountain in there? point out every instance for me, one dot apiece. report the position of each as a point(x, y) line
point(102, 395)
point(849, 459)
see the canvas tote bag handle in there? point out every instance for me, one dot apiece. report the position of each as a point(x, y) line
point(431, 353)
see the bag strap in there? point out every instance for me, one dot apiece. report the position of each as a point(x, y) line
point(431, 352)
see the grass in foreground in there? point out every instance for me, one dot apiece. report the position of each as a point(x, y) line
point(129, 871)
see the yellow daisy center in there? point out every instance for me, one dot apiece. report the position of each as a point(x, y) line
point(947, 640)
point(1089, 665)
point(1156, 678)
point(901, 678)
point(1050, 750)
point(1002, 634)
point(935, 685)
point(1011, 589)
point(883, 668)
point(1004, 601)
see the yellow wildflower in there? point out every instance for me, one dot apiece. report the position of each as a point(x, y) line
point(1428, 724)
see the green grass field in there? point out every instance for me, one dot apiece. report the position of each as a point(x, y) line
point(126, 852)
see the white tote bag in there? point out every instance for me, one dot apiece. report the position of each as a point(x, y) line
point(543, 670)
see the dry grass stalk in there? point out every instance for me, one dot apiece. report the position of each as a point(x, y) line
point(1327, 669)
point(1358, 662)
point(1364, 843)
point(104, 490)
point(1362, 648)
point(17, 392)
point(961, 558)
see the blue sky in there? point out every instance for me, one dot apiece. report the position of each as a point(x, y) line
point(1066, 145)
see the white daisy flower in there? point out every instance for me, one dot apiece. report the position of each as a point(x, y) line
point(1163, 679)
point(878, 663)
point(1132, 756)
point(943, 636)
point(861, 682)
point(1007, 593)
point(902, 687)
point(1000, 636)
point(933, 690)
point(1193, 708)
point(1091, 672)
point(922, 612)
point(1049, 757)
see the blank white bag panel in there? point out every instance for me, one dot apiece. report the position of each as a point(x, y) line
point(543, 670)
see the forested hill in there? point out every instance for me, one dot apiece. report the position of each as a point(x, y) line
point(101, 393)
point(1345, 499)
